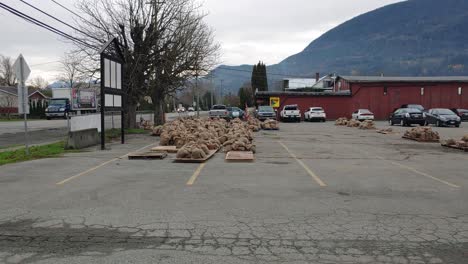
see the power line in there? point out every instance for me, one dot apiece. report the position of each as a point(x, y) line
point(56, 19)
point(268, 73)
point(44, 25)
point(44, 63)
point(69, 10)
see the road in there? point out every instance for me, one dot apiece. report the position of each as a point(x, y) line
point(43, 131)
point(316, 193)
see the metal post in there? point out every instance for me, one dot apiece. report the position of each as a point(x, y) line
point(198, 95)
point(103, 106)
point(25, 97)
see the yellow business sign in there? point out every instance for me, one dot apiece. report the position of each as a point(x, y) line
point(275, 102)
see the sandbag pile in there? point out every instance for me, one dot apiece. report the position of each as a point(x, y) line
point(193, 150)
point(239, 137)
point(422, 134)
point(254, 124)
point(342, 121)
point(270, 124)
point(182, 131)
point(353, 123)
point(367, 125)
point(157, 130)
point(145, 124)
point(463, 143)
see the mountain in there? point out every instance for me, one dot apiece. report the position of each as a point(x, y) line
point(410, 38)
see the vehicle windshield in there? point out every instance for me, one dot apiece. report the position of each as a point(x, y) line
point(445, 112)
point(219, 107)
point(317, 109)
point(290, 108)
point(365, 111)
point(412, 110)
point(414, 106)
point(58, 102)
point(265, 109)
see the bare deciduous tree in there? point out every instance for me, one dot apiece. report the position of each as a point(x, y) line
point(71, 70)
point(164, 42)
point(7, 73)
point(38, 82)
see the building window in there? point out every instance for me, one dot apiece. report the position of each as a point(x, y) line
point(385, 90)
point(422, 91)
point(459, 91)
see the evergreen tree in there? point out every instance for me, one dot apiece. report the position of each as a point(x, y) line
point(259, 78)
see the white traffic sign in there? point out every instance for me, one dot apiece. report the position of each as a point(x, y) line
point(22, 74)
point(22, 69)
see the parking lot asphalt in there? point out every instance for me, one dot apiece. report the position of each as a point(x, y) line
point(316, 193)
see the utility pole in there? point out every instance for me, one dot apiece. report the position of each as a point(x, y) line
point(212, 88)
point(221, 90)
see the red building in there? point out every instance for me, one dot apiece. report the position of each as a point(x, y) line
point(381, 95)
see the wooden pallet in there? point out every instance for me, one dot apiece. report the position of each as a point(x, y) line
point(422, 141)
point(455, 147)
point(240, 156)
point(168, 149)
point(387, 132)
point(209, 156)
point(147, 156)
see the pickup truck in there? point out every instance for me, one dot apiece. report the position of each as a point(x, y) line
point(290, 112)
point(219, 111)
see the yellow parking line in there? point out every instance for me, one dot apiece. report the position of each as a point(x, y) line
point(422, 173)
point(101, 165)
point(307, 169)
point(195, 175)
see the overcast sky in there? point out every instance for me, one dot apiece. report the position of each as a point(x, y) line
point(248, 30)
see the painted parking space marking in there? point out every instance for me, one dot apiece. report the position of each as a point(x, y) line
point(195, 175)
point(101, 165)
point(314, 176)
point(411, 169)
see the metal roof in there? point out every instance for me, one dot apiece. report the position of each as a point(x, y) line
point(14, 91)
point(368, 79)
point(290, 93)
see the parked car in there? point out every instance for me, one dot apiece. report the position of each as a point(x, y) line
point(220, 111)
point(407, 117)
point(363, 114)
point(181, 110)
point(315, 113)
point(290, 112)
point(462, 113)
point(414, 106)
point(442, 117)
point(191, 111)
point(265, 112)
point(235, 112)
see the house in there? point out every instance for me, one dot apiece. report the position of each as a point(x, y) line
point(9, 98)
point(380, 94)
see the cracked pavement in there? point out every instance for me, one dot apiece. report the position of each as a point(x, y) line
point(270, 211)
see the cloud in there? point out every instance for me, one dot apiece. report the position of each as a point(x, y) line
point(249, 30)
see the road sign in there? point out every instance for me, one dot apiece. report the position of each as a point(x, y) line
point(22, 71)
point(275, 102)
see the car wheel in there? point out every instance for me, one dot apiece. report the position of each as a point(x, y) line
point(457, 125)
point(48, 118)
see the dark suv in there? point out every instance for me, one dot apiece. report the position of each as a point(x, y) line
point(407, 117)
point(414, 106)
